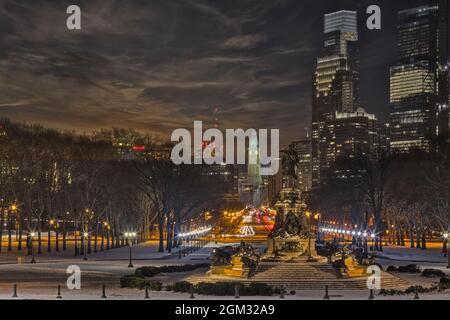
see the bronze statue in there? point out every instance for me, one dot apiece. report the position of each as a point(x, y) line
point(221, 256)
point(250, 258)
point(291, 164)
point(290, 227)
point(292, 224)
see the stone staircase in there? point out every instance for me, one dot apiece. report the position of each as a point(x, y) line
point(301, 275)
point(314, 276)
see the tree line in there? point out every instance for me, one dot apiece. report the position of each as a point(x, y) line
point(54, 182)
point(403, 198)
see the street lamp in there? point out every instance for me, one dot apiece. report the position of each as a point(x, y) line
point(372, 235)
point(130, 236)
point(309, 215)
point(32, 234)
point(12, 209)
point(446, 248)
point(85, 236)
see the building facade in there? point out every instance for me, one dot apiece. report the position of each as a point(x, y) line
point(350, 134)
point(335, 82)
point(302, 148)
point(419, 86)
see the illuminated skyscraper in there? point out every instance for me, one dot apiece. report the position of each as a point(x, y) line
point(349, 135)
point(419, 87)
point(335, 82)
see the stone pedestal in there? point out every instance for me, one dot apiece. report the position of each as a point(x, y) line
point(353, 269)
point(237, 268)
point(289, 201)
point(293, 246)
point(234, 269)
point(313, 252)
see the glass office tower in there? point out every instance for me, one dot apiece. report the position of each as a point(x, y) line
point(419, 87)
point(335, 82)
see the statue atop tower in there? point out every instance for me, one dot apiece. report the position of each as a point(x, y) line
point(252, 191)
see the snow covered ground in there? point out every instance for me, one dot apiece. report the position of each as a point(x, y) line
point(101, 268)
point(115, 293)
point(400, 256)
point(148, 250)
point(40, 281)
point(431, 256)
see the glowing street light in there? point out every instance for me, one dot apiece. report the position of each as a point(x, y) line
point(32, 234)
point(130, 236)
point(372, 236)
point(85, 236)
point(446, 248)
point(12, 209)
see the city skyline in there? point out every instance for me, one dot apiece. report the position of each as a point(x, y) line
point(213, 149)
point(151, 68)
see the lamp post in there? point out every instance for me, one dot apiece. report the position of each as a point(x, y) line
point(180, 248)
point(317, 222)
point(85, 236)
point(365, 244)
point(12, 209)
point(49, 236)
point(130, 236)
point(308, 215)
point(446, 248)
point(372, 235)
point(32, 234)
point(75, 228)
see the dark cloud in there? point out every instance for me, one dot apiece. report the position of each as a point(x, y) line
point(159, 65)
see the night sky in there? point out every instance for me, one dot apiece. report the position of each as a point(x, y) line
point(158, 65)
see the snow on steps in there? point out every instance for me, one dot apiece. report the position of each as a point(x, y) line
point(301, 275)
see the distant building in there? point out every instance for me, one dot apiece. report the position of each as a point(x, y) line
point(274, 186)
point(384, 137)
point(229, 178)
point(419, 86)
point(335, 81)
point(252, 189)
point(349, 135)
point(302, 148)
point(2, 130)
